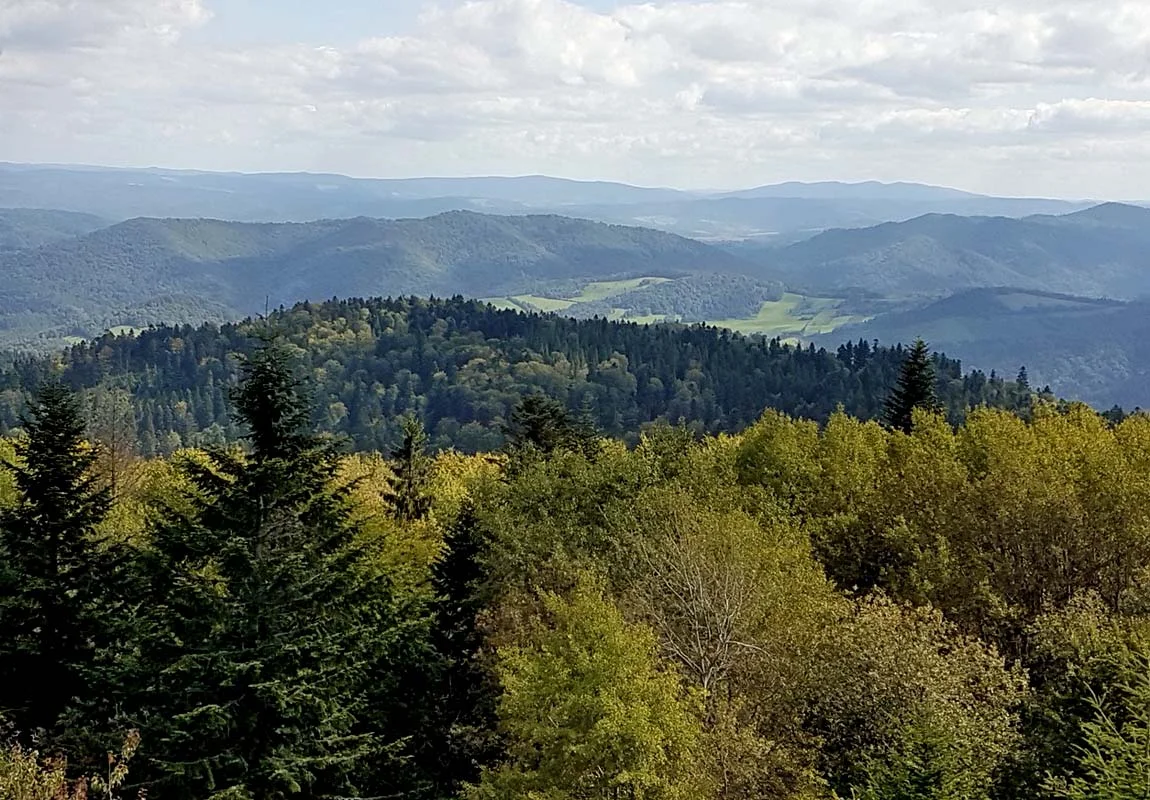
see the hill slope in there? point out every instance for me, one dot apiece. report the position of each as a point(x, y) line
point(1089, 349)
point(147, 271)
point(463, 365)
point(22, 228)
point(1102, 251)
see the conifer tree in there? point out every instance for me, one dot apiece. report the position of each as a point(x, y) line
point(54, 568)
point(264, 629)
point(915, 388)
point(541, 425)
point(412, 470)
point(467, 689)
point(1023, 379)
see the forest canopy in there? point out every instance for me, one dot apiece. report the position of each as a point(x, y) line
point(462, 366)
point(825, 611)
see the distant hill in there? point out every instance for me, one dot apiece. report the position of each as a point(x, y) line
point(1103, 251)
point(294, 197)
point(865, 190)
point(1084, 348)
point(148, 271)
point(121, 194)
point(22, 228)
point(463, 365)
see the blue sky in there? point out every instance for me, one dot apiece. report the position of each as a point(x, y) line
point(240, 21)
point(1018, 97)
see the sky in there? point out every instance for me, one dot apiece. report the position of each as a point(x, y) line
point(1014, 97)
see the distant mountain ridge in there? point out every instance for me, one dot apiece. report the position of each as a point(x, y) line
point(122, 193)
point(1102, 251)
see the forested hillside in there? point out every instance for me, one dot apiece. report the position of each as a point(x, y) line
point(798, 612)
point(463, 365)
point(1091, 349)
point(171, 271)
point(22, 228)
point(1099, 251)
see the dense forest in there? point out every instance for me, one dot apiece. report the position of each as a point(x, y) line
point(878, 610)
point(462, 366)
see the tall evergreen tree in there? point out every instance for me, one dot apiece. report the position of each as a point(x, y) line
point(915, 388)
point(265, 629)
point(541, 425)
point(411, 467)
point(54, 568)
point(1023, 379)
point(466, 692)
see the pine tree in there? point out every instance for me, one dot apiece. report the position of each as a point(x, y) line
point(412, 471)
point(1023, 379)
point(466, 691)
point(264, 629)
point(915, 388)
point(54, 568)
point(541, 425)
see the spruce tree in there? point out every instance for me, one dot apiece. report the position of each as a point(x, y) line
point(54, 568)
point(462, 737)
point(411, 467)
point(915, 388)
point(264, 629)
point(541, 425)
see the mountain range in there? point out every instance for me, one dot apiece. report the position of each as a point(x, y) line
point(147, 271)
point(1062, 291)
point(119, 194)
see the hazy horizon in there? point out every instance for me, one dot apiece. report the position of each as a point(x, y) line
point(1018, 98)
point(714, 190)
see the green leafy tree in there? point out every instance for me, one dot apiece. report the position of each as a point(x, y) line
point(54, 569)
point(588, 713)
point(265, 631)
point(411, 467)
point(915, 388)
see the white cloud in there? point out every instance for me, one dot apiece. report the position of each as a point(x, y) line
point(690, 92)
point(54, 24)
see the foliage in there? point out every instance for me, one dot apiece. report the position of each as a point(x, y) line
point(587, 712)
point(910, 709)
point(412, 471)
point(1114, 756)
point(262, 635)
point(463, 367)
point(806, 610)
point(25, 775)
point(691, 299)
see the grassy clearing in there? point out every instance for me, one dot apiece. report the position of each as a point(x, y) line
point(601, 290)
point(502, 303)
point(535, 302)
point(793, 315)
point(592, 292)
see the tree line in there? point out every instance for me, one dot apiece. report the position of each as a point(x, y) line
point(462, 366)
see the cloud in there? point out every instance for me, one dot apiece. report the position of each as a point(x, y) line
point(690, 92)
point(55, 24)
